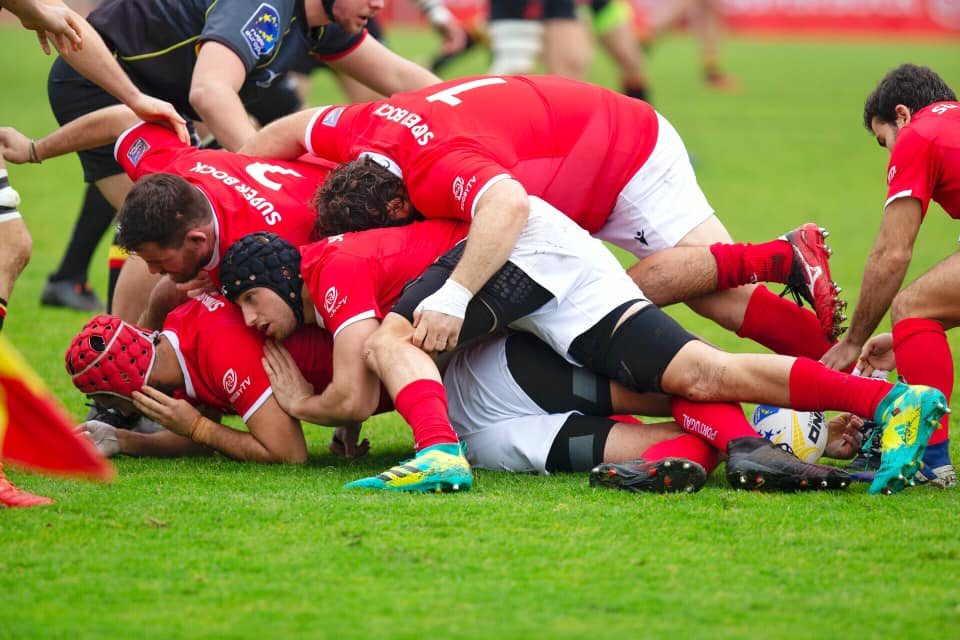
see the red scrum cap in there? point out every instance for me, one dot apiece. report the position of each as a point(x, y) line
point(111, 356)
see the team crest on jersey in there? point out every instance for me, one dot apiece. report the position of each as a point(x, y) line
point(262, 30)
point(330, 118)
point(230, 381)
point(136, 151)
point(330, 299)
point(891, 174)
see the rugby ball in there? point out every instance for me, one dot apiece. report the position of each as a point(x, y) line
point(804, 431)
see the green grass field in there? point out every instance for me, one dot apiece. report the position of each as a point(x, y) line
point(217, 549)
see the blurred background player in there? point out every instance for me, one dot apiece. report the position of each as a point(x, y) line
point(705, 19)
point(208, 59)
point(915, 116)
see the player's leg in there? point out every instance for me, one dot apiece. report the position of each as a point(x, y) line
point(613, 25)
point(72, 96)
point(921, 313)
point(516, 37)
point(16, 244)
point(566, 41)
point(678, 364)
point(662, 217)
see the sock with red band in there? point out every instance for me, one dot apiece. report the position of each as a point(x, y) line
point(923, 357)
point(423, 404)
point(814, 387)
point(716, 422)
point(783, 327)
point(685, 446)
point(740, 264)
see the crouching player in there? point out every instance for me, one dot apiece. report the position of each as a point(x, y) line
point(204, 358)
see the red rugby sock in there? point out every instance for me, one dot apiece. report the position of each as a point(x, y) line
point(740, 264)
point(685, 446)
point(423, 404)
point(782, 326)
point(814, 387)
point(716, 422)
point(923, 357)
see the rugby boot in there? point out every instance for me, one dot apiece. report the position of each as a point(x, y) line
point(667, 475)
point(756, 463)
point(810, 277)
point(908, 415)
point(70, 294)
point(13, 496)
point(432, 470)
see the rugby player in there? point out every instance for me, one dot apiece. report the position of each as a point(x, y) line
point(915, 116)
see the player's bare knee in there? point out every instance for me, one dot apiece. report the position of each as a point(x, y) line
point(908, 303)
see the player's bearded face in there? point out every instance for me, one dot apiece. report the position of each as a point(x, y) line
point(265, 311)
point(182, 264)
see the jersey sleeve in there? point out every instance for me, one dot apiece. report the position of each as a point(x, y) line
point(250, 28)
point(237, 372)
point(911, 173)
point(343, 291)
point(448, 184)
point(147, 148)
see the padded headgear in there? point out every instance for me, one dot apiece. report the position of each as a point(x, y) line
point(263, 259)
point(111, 356)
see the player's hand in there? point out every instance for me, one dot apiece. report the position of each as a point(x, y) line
point(876, 357)
point(438, 318)
point(841, 355)
point(434, 331)
point(176, 415)
point(102, 435)
point(844, 437)
point(203, 283)
point(14, 146)
point(290, 388)
point(60, 23)
point(150, 109)
point(454, 36)
point(344, 442)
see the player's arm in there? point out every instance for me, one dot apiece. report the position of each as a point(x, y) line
point(282, 139)
point(375, 66)
point(882, 277)
point(273, 435)
point(499, 216)
point(83, 48)
point(353, 394)
point(214, 94)
point(89, 131)
point(161, 444)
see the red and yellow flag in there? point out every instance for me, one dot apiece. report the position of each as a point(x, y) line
point(35, 430)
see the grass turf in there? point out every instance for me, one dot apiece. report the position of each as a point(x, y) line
point(215, 549)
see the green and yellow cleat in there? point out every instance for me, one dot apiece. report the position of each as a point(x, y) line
point(909, 414)
point(432, 470)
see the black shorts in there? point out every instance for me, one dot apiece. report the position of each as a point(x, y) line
point(71, 96)
point(533, 10)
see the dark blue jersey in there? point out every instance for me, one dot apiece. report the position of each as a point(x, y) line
point(156, 41)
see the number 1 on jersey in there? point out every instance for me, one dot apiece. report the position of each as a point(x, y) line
point(449, 95)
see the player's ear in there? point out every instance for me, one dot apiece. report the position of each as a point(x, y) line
point(398, 208)
point(903, 115)
point(195, 236)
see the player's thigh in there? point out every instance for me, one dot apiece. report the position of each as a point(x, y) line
point(934, 295)
point(115, 188)
point(132, 293)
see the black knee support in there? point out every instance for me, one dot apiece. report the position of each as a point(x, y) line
point(579, 444)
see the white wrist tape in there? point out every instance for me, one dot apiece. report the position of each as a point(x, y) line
point(439, 15)
point(451, 299)
point(877, 373)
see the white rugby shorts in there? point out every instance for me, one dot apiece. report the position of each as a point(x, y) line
point(504, 429)
point(661, 203)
